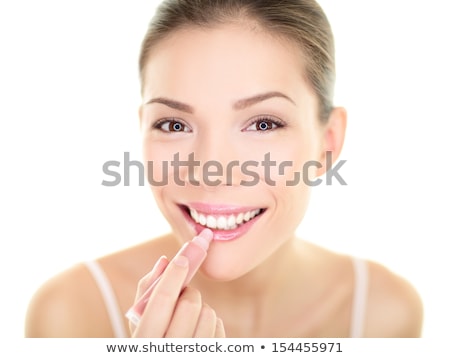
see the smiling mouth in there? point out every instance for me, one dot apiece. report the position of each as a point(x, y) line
point(222, 221)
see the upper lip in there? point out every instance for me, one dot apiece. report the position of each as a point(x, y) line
point(219, 209)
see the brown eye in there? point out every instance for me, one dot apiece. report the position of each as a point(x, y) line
point(176, 127)
point(264, 125)
point(172, 125)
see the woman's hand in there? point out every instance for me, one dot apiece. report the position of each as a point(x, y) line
point(168, 312)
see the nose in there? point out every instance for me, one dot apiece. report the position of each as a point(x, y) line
point(217, 155)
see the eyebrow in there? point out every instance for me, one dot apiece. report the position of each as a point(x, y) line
point(247, 102)
point(183, 107)
point(239, 105)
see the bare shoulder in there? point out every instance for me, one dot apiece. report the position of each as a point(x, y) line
point(64, 306)
point(58, 308)
point(394, 306)
point(71, 305)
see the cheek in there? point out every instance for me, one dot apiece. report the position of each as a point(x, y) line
point(288, 164)
point(158, 161)
point(291, 184)
point(292, 198)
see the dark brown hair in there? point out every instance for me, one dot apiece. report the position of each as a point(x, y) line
point(300, 21)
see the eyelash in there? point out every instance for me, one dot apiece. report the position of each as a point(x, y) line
point(279, 124)
point(274, 121)
point(158, 125)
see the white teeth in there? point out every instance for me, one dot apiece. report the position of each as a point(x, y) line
point(211, 222)
point(194, 214)
point(223, 222)
point(231, 221)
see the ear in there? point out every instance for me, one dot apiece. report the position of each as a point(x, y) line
point(333, 138)
point(140, 116)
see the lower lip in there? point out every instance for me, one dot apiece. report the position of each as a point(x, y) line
point(224, 235)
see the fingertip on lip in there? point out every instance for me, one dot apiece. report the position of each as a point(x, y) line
point(207, 234)
point(204, 238)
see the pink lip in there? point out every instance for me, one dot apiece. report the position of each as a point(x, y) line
point(221, 235)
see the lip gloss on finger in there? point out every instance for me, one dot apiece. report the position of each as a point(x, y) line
point(195, 251)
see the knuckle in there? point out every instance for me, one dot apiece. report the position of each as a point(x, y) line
point(208, 313)
point(145, 280)
point(190, 298)
point(141, 287)
point(161, 300)
point(164, 294)
point(192, 293)
point(142, 283)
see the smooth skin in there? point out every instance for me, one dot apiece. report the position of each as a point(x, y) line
point(267, 283)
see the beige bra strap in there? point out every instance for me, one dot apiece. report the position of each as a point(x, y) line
point(112, 306)
point(360, 292)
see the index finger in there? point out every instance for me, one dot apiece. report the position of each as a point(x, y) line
point(146, 281)
point(159, 310)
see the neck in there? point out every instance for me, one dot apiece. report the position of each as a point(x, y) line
point(248, 303)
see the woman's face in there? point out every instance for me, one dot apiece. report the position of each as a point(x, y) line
point(234, 98)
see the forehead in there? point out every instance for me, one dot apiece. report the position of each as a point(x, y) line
point(230, 59)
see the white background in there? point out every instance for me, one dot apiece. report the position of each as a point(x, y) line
point(68, 102)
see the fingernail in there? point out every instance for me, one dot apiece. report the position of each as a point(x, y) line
point(159, 261)
point(181, 261)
